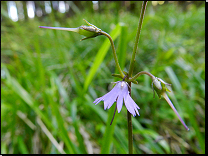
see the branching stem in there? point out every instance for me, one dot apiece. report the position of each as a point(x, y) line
point(114, 52)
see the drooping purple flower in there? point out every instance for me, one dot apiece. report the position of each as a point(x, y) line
point(119, 94)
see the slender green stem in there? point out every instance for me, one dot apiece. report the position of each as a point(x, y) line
point(114, 52)
point(141, 73)
point(130, 134)
point(137, 38)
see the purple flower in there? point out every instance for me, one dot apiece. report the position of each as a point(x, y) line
point(119, 94)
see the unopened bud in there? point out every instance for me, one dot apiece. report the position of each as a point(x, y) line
point(159, 86)
point(88, 31)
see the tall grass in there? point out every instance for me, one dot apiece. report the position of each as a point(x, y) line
point(49, 81)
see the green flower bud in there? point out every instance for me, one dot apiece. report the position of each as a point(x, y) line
point(88, 31)
point(159, 86)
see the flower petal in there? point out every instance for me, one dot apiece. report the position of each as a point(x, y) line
point(131, 105)
point(61, 28)
point(174, 109)
point(97, 100)
point(122, 94)
point(119, 93)
point(111, 97)
point(102, 98)
point(120, 102)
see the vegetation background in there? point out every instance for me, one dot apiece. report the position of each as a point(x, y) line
point(49, 79)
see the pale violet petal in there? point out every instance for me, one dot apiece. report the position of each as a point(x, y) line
point(102, 98)
point(129, 104)
point(61, 28)
point(136, 107)
point(123, 93)
point(120, 102)
point(174, 109)
point(97, 100)
point(110, 98)
point(119, 93)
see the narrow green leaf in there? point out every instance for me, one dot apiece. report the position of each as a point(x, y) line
point(122, 47)
point(38, 64)
point(60, 87)
point(193, 119)
point(22, 146)
point(76, 126)
point(55, 110)
point(4, 147)
point(109, 131)
point(173, 78)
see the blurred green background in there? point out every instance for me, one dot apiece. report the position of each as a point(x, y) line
point(49, 79)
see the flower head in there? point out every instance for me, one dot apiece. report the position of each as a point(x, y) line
point(119, 94)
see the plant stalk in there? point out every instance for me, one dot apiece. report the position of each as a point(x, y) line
point(130, 134)
point(129, 118)
point(114, 52)
point(137, 38)
point(141, 73)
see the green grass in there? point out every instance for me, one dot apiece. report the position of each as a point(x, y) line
point(50, 79)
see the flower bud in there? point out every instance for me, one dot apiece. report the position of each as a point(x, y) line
point(159, 86)
point(157, 83)
point(88, 31)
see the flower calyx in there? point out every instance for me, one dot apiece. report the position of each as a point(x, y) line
point(159, 86)
point(89, 31)
point(125, 77)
